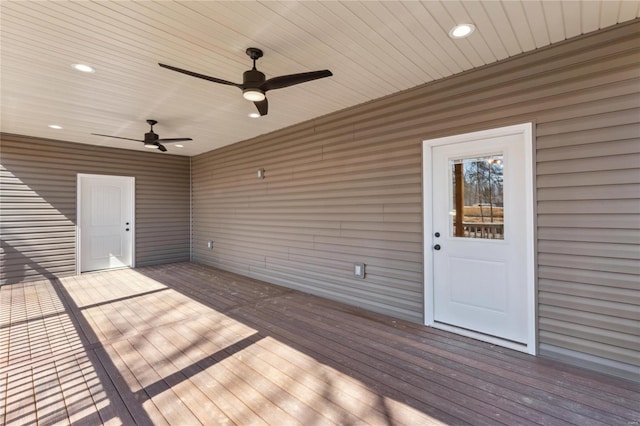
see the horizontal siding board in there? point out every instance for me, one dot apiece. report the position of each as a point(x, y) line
point(591, 192)
point(368, 252)
point(614, 147)
point(627, 326)
point(337, 202)
point(585, 332)
point(273, 248)
point(601, 278)
point(453, 111)
point(368, 260)
point(591, 347)
point(618, 117)
point(361, 199)
point(595, 178)
point(586, 137)
point(600, 235)
point(382, 235)
point(576, 207)
point(594, 263)
point(602, 221)
point(611, 294)
point(38, 196)
point(619, 251)
point(343, 280)
point(611, 162)
point(608, 97)
point(584, 304)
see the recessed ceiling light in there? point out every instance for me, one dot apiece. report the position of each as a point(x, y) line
point(254, 115)
point(83, 68)
point(462, 31)
point(55, 126)
point(179, 146)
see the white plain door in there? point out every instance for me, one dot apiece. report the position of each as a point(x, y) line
point(106, 213)
point(482, 259)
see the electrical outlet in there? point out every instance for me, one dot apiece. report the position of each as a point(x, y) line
point(209, 245)
point(358, 270)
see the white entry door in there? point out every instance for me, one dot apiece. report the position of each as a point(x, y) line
point(106, 221)
point(480, 240)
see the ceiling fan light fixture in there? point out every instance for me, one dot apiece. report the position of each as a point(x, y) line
point(55, 126)
point(462, 31)
point(254, 115)
point(253, 95)
point(151, 145)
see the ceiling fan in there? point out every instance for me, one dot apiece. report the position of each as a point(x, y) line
point(254, 85)
point(151, 139)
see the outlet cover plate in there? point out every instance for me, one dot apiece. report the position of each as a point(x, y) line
point(358, 270)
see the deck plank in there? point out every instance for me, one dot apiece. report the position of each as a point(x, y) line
point(101, 390)
point(152, 388)
point(188, 344)
point(202, 371)
point(50, 407)
point(479, 381)
point(143, 410)
point(315, 391)
point(20, 402)
point(366, 366)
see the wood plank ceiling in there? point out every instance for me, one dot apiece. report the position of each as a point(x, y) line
point(373, 48)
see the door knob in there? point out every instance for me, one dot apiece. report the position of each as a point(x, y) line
point(127, 229)
point(436, 247)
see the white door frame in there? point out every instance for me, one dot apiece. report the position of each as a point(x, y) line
point(132, 182)
point(525, 129)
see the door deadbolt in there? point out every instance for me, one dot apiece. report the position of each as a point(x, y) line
point(437, 234)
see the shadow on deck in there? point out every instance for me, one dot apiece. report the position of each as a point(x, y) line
point(188, 344)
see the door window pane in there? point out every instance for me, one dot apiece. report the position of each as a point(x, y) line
point(477, 204)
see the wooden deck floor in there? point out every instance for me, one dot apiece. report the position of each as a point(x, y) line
point(184, 344)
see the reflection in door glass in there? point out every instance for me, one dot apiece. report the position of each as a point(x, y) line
point(477, 204)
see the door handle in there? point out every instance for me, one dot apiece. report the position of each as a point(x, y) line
point(436, 247)
point(127, 229)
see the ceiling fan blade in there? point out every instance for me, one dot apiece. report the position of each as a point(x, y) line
point(292, 79)
point(169, 140)
point(204, 77)
point(162, 148)
point(263, 106)
point(117, 137)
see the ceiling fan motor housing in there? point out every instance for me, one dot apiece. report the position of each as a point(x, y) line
point(252, 79)
point(150, 136)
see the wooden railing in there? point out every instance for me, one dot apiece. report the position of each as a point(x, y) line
point(484, 230)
